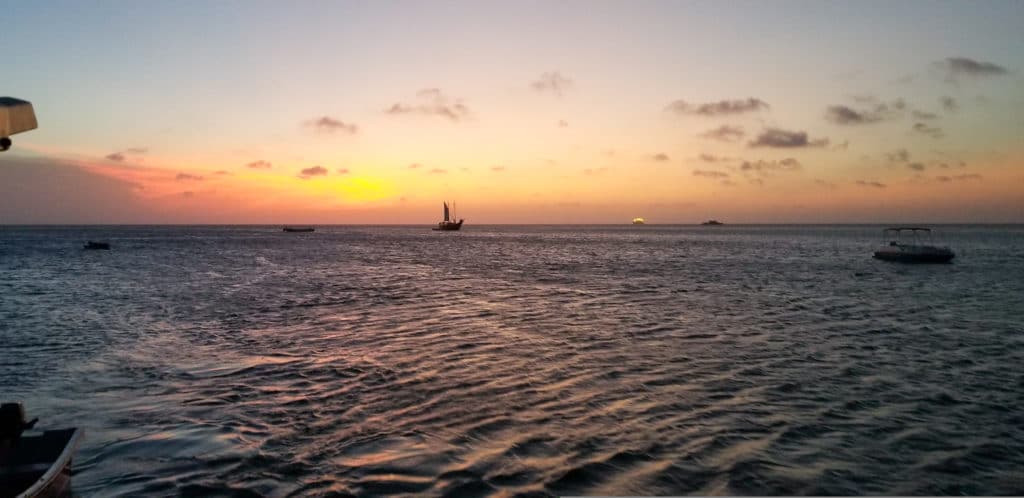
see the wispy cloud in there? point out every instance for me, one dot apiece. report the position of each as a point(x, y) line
point(840, 114)
point(724, 133)
point(308, 173)
point(188, 177)
point(959, 67)
point(959, 178)
point(879, 111)
point(873, 184)
point(415, 166)
point(707, 173)
point(261, 164)
point(788, 164)
point(659, 157)
point(779, 138)
point(916, 166)
point(223, 172)
point(720, 108)
point(563, 123)
point(949, 104)
point(438, 171)
point(432, 102)
point(923, 115)
point(711, 158)
point(554, 83)
point(122, 155)
point(327, 124)
point(595, 171)
point(898, 156)
point(497, 169)
point(343, 171)
point(931, 131)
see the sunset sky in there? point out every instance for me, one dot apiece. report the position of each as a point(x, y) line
point(521, 112)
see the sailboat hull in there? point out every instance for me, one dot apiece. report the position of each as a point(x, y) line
point(448, 226)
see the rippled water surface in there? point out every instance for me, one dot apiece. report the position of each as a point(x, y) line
point(519, 361)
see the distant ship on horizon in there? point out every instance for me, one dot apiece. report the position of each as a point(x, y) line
point(712, 223)
point(447, 225)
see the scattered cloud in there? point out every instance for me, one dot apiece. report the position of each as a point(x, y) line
point(916, 166)
point(659, 157)
point(788, 164)
point(122, 155)
point(438, 171)
point(822, 183)
point(308, 173)
point(261, 164)
point(554, 83)
point(873, 184)
point(710, 173)
point(949, 104)
point(563, 123)
point(415, 166)
point(711, 158)
point(898, 156)
point(188, 177)
point(327, 124)
point(720, 108)
point(779, 138)
point(432, 102)
point(188, 194)
point(343, 171)
point(956, 67)
point(931, 131)
point(497, 169)
point(223, 173)
point(959, 178)
point(724, 133)
point(840, 114)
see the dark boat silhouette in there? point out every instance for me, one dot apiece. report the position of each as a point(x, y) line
point(447, 225)
point(96, 245)
point(299, 229)
point(916, 251)
point(35, 465)
point(712, 223)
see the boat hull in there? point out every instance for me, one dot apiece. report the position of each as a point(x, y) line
point(38, 466)
point(924, 254)
point(297, 230)
point(448, 226)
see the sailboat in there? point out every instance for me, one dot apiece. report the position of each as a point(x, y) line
point(447, 224)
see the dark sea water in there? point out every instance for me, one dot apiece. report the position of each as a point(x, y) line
point(519, 361)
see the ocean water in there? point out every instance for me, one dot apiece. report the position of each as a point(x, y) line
point(519, 360)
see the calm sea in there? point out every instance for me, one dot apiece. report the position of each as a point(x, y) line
point(519, 360)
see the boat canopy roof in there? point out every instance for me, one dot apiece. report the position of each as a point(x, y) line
point(16, 116)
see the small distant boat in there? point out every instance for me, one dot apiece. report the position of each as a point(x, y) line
point(917, 251)
point(638, 221)
point(299, 229)
point(447, 225)
point(712, 223)
point(36, 465)
point(97, 245)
